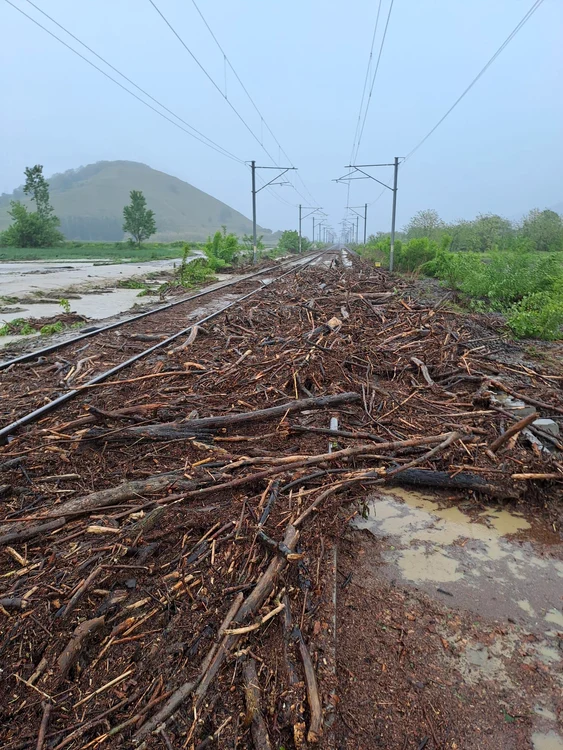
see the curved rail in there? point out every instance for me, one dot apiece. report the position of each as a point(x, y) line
point(32, 416)
point(28, 356)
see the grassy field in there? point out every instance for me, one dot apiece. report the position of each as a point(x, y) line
point(116, 251)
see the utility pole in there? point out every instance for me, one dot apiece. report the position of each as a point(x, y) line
point(301, 217)
point(365, 222)
point(254, 194)
point(359, 169)
point(394, 213)
point(357, 228)
point(253, 165)
point(313, 230)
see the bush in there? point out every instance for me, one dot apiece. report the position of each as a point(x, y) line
point(538, 315)
point(415, 253)
point(50, 328)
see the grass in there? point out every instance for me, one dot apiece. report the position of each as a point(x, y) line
point(114, 251)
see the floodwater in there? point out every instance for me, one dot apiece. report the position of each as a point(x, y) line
point(26, 277)
point(474, 563)
point(497, 564)
point(99, 298)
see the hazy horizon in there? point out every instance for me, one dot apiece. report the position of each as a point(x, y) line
point(499, 151)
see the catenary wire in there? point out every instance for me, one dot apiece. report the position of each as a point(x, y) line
point(366, 79)
point(116, 70)
point(506, 42)
point(216, 86)
point(361, 133)
point(207, 142)
point(262, 118)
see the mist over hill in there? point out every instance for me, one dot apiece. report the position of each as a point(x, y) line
point(89, 202)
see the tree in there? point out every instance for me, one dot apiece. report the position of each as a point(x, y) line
point(248, 243)
point(425, 223)
point(289, 242)
point(33, 228)
point(544, 229)
point(138, 220)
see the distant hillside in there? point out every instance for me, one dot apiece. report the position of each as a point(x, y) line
point(89, 202)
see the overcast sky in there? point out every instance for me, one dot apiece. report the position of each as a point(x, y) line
point(303, 62)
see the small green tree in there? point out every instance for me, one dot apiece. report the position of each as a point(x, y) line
point(138, 220)
point(289, 242)
point(33, 228)
point(247, 243)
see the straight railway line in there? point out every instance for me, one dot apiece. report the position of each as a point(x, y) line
point(45, 380)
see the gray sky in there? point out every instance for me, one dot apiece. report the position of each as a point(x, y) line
point(304, 64)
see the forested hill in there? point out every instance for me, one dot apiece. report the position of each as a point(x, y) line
point(89, 202)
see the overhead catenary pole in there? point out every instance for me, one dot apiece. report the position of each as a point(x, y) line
point(357, 228)
point(360, 169)
point(253, 164)
point(394, 214)
point(313, 230)
point(255, 192)
point(299, 250)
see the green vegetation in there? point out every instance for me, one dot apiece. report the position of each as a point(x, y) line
point(50, 328)
point(89, 201)
point(289, 242)
point(248, 244)
point(138, 220)
point(33, 228)
point(65, 304)
point(17, 327)
point(222, 249)
point(111, 251)
point(493, 264)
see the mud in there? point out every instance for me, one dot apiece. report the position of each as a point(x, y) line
point(489, 562)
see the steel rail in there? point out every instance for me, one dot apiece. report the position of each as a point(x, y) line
point(32, 416)
point(28, 356)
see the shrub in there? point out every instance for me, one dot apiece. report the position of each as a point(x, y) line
point(50, 328)
point(538, 315)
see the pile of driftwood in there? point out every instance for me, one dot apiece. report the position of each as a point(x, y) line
point(165, 540)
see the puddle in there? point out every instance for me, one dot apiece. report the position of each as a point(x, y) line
point(475, 564)
point(547, 741)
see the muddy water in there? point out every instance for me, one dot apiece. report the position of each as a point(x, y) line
point(477, 564)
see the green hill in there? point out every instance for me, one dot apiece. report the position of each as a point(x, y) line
point(89, 202)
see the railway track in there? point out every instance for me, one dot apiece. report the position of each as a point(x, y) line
point(40, 381)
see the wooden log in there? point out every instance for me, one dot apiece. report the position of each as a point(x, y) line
point(175, 430)
point(31, 531)
point(116, 495)
point(462, 481)
point(11, 463)
point(336, 433)
point(513, 430)
point(47, 708)
point(313, 697)
point(73, 648)
point(254, 717)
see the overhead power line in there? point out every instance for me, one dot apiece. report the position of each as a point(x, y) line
point(506, 42)
point(195, 134)
point(366, 79)
point(361, 133)
point(216, 86)
point(262, 118)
